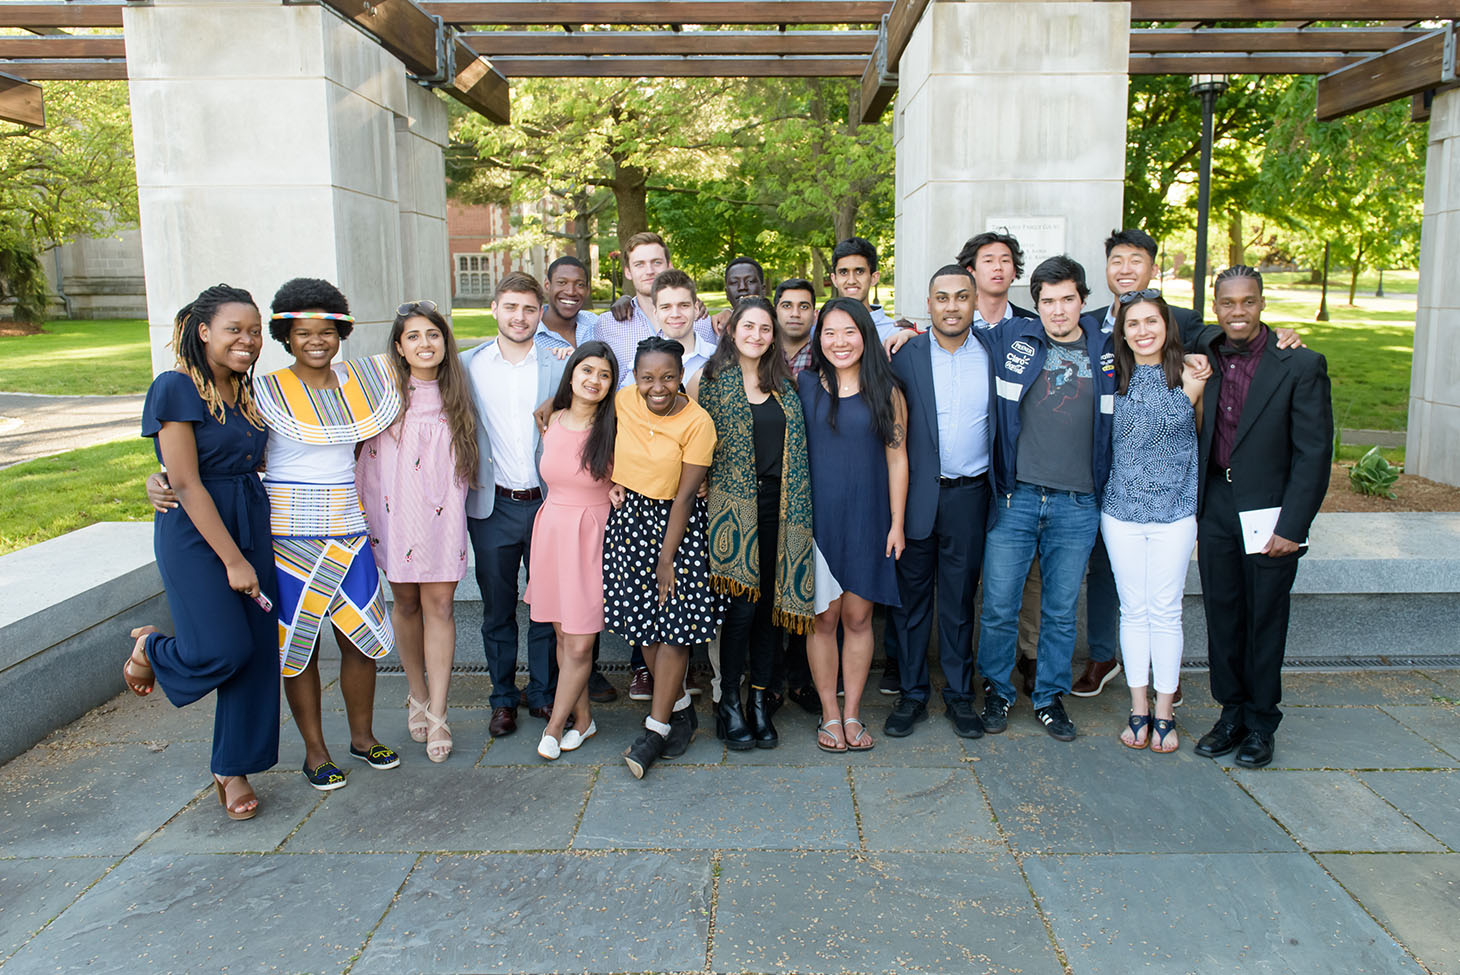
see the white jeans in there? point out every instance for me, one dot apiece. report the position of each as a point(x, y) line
point(1150, 563)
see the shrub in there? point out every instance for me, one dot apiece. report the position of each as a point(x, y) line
point(1373, 475)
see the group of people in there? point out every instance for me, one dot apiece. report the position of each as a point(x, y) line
point(755, 482)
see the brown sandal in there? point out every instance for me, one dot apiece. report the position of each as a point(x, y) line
point(233, 811)
point(137, 673)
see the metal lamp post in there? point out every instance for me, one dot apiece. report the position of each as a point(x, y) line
point(1206, 87)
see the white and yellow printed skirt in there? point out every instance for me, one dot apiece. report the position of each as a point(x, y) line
point(326, 570)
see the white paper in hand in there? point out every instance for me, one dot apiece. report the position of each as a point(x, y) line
point(1258, 526)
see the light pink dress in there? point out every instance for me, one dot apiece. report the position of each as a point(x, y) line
point(565, 576)
point(414, 503)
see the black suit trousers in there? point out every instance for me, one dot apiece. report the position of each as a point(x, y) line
point(949, 559)
point(1246, 598)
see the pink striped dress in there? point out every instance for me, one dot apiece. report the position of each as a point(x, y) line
point(414, 503)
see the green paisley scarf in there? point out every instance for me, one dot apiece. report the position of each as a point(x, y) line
point(734, 526)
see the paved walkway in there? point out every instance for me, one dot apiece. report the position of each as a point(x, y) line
point(34, 426)
point(1009, 854)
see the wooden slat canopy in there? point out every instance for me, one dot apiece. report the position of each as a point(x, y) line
point(21, 102)
point(1407, 70)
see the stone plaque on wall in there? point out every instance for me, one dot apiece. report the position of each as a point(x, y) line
point(1039, 237)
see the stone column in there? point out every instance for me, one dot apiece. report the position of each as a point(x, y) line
point(1012, 111)
point(275, 141)
point(1432, 447)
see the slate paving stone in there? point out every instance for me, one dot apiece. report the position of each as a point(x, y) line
point(1334, 738)
point(187, 914)
point(720, 807)
point(923, 809)
point(1095, 794)
point(424, 807)
point(1334, 811)
point(285, 800)
point(1440, 726)
point(1350, 688)
point(468, 734)
point(1428, 798)
point(95, 799)
point(1208, 914)
point(1447, 683)
point(905, 912)
point(1417, 898)
point(552, 912)
point(127, 718)
point(33, 891)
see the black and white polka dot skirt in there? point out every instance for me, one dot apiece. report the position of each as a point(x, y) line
point(631, 545)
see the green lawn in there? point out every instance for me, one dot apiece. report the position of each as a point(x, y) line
point(106, 356)
point(43, 498)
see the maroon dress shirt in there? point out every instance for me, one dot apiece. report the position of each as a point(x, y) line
point(1238, 366)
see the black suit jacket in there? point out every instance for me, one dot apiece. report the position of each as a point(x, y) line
point(1284, 444)
point(913, 365)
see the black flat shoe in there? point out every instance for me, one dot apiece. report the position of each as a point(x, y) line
point(682, 725)
point(1223, 738)
point(966, 722)
point(807, 698)
point(905, 713)
point(1255, 751)
point(643, 753)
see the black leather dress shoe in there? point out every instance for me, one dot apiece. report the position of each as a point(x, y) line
point(1255, 751)
point(905, 713)
point(1224, 736)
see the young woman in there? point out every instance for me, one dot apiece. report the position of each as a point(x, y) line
point(215, 554)
point(1148, 512)
point(656, 567)
point(760, 514)
point(413, 480)
point(856, 432)
point(317, 412)
point(565, 577)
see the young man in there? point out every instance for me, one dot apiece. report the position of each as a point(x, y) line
point(1264, 451)
point(996, 261)
point(947, 378)
point(565, 321)
point(795, 304)
point(1055, 386)
point(674, 299)
point(509, 376)
point(744, 278)
point(854, 274)
point(629, 322)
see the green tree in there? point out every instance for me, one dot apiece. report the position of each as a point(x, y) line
point(73, 178)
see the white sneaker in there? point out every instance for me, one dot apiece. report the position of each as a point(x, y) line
point(572, 740)
point(549, 748)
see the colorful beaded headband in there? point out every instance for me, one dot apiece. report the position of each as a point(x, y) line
point(328, 316)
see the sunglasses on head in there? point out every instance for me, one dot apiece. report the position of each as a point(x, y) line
point(410, 307)
point(1145, 294)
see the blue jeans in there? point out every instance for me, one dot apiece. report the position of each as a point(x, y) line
point(1061, 527)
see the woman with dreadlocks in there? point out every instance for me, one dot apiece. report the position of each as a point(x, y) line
point(215, 552)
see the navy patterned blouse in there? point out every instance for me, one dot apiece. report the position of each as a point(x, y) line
point(1153, 473)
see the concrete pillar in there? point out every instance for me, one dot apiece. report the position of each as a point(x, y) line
point(1015, 112)
point(1432, 446)
point(274, 141)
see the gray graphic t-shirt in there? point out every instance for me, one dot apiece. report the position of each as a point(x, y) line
point(1057, 421)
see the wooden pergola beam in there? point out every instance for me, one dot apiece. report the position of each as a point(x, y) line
point(1300, 10)
point(647, 43)
point(530, 13)
point(66, 70)
point(680, 67)
point(29, 15)
point(1147, 64)
point(1262, 40)
point(1398, 73)
point(22, 102)
point(64, 46)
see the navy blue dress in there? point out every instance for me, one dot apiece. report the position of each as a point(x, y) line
point(224, 642)
point(851, 515)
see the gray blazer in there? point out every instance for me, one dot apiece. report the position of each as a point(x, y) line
point(480, 500)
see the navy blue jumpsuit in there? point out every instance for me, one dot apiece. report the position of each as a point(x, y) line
point(223, 640)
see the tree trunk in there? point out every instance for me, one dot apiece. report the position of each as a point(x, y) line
point(1322, 315)
point(630, 193)
point(1236, 252)
point(844, 223)
point(1353, 278)
point(582, 227)
point(818, 270)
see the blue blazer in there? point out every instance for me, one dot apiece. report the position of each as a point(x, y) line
point(482, 498)
point(914, 366)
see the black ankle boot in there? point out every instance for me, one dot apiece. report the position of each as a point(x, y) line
point(730, 726)
point(645, 750)
point(760, 719)
point(682, 725)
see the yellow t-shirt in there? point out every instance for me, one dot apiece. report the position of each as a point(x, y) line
point(649, 450)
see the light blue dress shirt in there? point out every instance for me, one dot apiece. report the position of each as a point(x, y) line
point(587, 331)
point(961, 389)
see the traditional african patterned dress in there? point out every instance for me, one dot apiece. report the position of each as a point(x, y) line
point(322, 552)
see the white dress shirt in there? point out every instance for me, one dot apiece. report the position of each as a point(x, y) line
point(509, 391)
